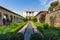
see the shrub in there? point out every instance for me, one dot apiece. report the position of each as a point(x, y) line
point(4, 37)
point(34, 19)
point(14, 24)
point(59, 32)
point(25, 19)
point(40, 28)
point(18, 36)
point(2, 28)
point(36, 36)
point(46, 25)
point(51, 35)
point(15, 28)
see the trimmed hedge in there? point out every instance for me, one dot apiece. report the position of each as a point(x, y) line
point(4, 37)
point(51, 35)
point(36, 36)
point(12, 28)
point(16, 27)
point(10, 32)
point(49, 32)
point(15, 36)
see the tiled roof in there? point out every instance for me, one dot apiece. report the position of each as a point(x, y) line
point(42, 12)
point(10, 11)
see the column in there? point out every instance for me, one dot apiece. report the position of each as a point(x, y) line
point(26, 13)
point(2, 16)
point(18, 19)
point(12, 18)
point(9, 17)
point(32, 13)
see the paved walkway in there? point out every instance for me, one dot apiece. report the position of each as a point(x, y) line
point(29, 29)
point(28, 32)
point(23, 29)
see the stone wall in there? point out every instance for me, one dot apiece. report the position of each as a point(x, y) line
point(55, 14)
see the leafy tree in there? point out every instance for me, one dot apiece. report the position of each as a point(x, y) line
point(34, 19)
point(25, 19)
point(50, 8)
point(54, 4)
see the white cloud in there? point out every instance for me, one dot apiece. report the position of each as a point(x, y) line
point(43, 2)
point(47, 5)
point(54, 0)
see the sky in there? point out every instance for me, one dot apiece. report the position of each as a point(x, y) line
point(19, 6)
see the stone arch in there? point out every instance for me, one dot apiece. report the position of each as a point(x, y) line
point(5, 19)
point(6, 16)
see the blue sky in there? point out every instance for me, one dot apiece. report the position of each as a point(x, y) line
point(21, 5)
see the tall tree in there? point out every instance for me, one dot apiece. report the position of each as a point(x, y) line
point(50, 8)
point(53, 5)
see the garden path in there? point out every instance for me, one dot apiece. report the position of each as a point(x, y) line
point(29, 29)
point(28, 32)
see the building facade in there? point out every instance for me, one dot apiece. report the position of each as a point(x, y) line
point(30, 15)
point(7, 15)
point(41, 16)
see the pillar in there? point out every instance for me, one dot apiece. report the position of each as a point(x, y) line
point(12, 18)
point(2, 16)
point(1, 22)
point(27, 13)
point(16, 19)
point(9, 17)
point(32, 13)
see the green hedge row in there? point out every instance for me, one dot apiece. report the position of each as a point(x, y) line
point(12, 28)
point(16, 36)
point(10, 32)
point(16, 28)
point(49, 32)
point(36, 36)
